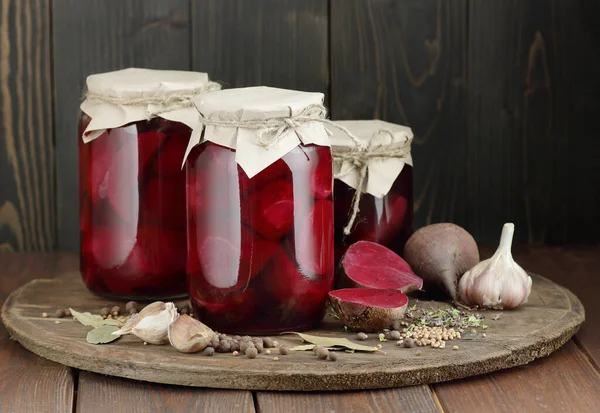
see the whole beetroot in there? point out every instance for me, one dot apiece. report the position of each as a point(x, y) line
point(440, 254)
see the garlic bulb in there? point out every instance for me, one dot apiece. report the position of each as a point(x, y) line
point(498, 282)
point(152, 323)
point(189, 335)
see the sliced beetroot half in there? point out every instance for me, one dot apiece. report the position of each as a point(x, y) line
point(270, 211)
point(367, 309)
point(370, 265)
point(313, 239)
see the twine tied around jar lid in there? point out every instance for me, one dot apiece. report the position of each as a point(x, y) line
point(360, 160)
point(271, 130)
point(160, 103)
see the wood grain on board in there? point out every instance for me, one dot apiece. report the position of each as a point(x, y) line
point(532, 138)
point(101, 394)
point(407, 399)
point(578, 270)
point(27, 214)
point(280, 43)
point(565, 382)
point(98, 36)
point(29, 383)
point(546, 322)
point(405, 62)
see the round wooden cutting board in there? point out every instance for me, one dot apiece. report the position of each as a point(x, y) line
point(517, 337)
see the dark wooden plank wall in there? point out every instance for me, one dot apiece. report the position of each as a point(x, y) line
point(27, 196)
point(502, 96)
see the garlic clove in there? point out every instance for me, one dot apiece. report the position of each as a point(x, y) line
point(152, 323)
point(498, 282)
point(189, 335)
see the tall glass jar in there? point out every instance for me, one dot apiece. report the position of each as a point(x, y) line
point(382, 211)
point(131, 181)
point(260, 212)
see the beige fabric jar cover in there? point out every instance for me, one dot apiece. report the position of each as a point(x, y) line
point(374, 169)
point(114, 99)
point(263, 123)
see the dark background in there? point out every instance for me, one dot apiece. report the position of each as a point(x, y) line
point(503, 96)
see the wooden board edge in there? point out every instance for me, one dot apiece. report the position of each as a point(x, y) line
point(511, 356)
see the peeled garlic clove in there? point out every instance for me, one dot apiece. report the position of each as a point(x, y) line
point(152, 323)
point(498, 282)
point(189, 335)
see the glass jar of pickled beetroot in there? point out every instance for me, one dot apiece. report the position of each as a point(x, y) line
point(260, 211)
point(135, 126)
point(383, 201)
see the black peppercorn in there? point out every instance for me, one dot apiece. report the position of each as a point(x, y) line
point(209, 351)
point(59, 313)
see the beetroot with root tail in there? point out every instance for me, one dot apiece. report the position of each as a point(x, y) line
point(368, 309)
point(370, 265)
point(441, 254)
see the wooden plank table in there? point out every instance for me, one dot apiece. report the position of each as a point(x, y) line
point(566, 381)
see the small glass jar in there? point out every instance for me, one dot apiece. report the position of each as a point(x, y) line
point(385, 208)
point(260, 248)
point(132, 190)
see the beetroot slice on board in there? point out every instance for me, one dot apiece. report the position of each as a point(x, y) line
point(271, 210)
point(368, 309)
point(370, 265)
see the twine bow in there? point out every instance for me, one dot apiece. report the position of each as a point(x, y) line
point(162, 103)
point(270, 131)
point(360, 160)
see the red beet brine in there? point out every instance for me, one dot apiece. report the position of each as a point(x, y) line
point(260, 247)
point(385, 206)
point(132, 185)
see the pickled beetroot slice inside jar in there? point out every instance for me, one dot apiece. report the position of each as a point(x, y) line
point(224, 159)
point(162, 201)
point(293, 287)
point(103, 150)
point(271, 211)
point(148, 145)
point(109, 247)
point(159, 251)
point(168, 164)
point(228, 265)
point(322, 181)
point(122, 186)
point(385, 217)
point(231, 312)
point(313, 239)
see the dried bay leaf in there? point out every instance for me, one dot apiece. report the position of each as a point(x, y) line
point(334, 342)
point(102, 335)
point(93, 320)
point(304, 347)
